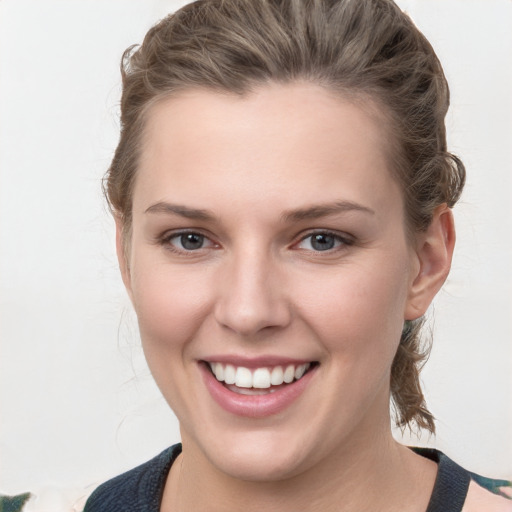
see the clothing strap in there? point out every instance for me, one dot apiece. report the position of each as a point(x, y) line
point(451, 486)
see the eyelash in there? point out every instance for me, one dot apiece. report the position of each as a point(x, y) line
point(340, 241)
point(166, 240)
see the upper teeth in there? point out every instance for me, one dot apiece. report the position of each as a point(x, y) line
point(258, 378)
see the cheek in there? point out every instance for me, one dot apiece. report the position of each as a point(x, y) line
point(170, 305)
point(357, 312)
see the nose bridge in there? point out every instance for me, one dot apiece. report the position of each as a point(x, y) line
point(251, 295)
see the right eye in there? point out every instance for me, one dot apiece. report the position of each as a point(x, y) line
point(188, 241)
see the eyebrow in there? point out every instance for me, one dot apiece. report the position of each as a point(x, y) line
point(311, 212)
point(323, 210)
point(183, 211)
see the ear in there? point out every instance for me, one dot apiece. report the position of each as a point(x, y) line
point(434, 253)
point(122, 256)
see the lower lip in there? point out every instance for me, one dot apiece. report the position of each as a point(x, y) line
point(254, 406)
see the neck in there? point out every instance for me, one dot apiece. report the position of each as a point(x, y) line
point(367, 476)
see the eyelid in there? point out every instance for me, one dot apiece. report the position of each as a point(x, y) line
point(344, 238)
point(166, 237)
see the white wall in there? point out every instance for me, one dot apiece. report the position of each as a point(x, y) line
point(77, 403)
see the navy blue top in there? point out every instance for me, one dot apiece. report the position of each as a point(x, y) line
point(141, 489)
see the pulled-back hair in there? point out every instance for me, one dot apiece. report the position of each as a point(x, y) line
point(362, 49)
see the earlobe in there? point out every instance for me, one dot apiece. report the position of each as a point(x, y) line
point(122, 256)
point(434, 253)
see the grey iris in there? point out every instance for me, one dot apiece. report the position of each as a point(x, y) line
point(322, 242)
point(192, 241)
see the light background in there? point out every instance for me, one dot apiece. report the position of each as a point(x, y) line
point(77, 404)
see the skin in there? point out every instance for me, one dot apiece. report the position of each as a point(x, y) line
point(257, 164)
point(479, 499)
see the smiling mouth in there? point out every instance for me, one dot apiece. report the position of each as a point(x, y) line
point(258, 381)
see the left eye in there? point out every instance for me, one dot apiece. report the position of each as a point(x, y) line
point(189, 241)
point(321, 242)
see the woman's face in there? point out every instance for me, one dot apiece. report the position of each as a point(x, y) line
point(268, 239)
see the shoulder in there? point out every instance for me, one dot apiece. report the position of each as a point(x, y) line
point(481, 499)
point(488, 494)
point(458, 489)
point(139, 489)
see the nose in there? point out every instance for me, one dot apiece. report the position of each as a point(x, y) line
point(251, 295)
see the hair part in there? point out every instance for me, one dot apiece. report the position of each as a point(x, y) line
point(360, 49)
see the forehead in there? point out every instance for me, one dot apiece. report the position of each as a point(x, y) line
point(290, 141)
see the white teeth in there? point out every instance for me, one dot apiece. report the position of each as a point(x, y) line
point(289, 374)
point(250, 391)
point(243, 377)
point(260, 378)
point(218, 370)
point(229, 374)
point(301, 370)
point(276, 378)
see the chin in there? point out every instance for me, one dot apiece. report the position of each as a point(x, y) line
point(259, 466)
point(258, 456)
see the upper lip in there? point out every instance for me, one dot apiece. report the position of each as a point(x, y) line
point(255, 362)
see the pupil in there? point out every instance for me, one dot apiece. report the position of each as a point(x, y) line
point(192, 241)
point(322, 242)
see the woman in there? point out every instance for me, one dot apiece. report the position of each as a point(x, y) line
point(282, 193)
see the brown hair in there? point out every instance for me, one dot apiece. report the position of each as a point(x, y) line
point(366, 48)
